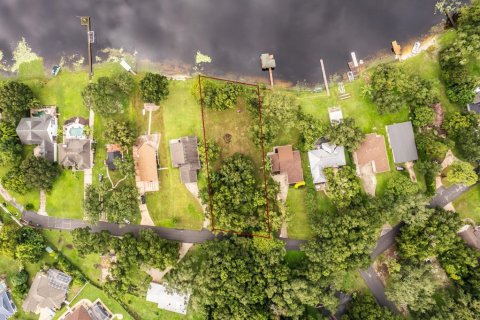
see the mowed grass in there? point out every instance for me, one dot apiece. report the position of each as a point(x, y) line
point(179, 115)
point(468, 204)
point(63, 242)
point(298, 224)
point(66, 198)
point(238, 123)
point(173, 206)
point(92, 293)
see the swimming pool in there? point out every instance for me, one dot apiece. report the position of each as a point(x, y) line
point(76, 132)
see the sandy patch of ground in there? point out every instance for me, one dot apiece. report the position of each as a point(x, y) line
point(157, 274)
point(146, 219)
point(411, 172)
point(282, 179)
point(368, 179)
point(448, 160)
point(43, 203)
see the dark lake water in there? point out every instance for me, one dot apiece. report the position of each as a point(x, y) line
point(232, 32)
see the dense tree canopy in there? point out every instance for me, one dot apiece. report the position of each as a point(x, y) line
point(462, 172)
point(388, 84)
point(423, 116)
point(24, 244)
point(364, 307)
point(32, 173)
point(218, 95)
point(132, 252)
point(454, 58)
point(108, 95)
point(400, 186)
point(431, 147)
point(154, 88)
point(119, 132)
point(413, 286)
point(241, 278)
point(119, 205)
point(237, 198)
point(343, 240)
point(279, 113)
point(311, 130)
point(455, 305)
point(15, 98)
point(392, 89)
point(433, 234)
point(346, 133)
point(10, 146)
point(342, 185)
point(39, 173)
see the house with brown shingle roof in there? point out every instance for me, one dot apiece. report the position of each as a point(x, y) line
point(287, 161)
point(372, 151)
point(145, 160)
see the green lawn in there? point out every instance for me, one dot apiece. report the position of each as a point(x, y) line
point(63, 242)
point(92, 293)
point(173, 206)
point(468, 205)
point(298, 225)
point(66, 198)
point(238, 122)
point(32, 69)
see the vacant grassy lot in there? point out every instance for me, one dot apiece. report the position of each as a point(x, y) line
point(238, 123)
point(468, 205)
point(66, 198)
point(173, 206)
point(298, 226)
point(63, 242)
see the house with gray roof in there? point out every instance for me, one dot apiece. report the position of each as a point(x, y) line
point(7, 306)
point(184, 154)
point(402, 142)
point(475, 105)
point(40, 130)
point(48, 291)
point(471, 236)
point(325, 155)
point(75, 152)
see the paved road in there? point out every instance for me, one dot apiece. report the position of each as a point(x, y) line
point(190, 236)
point(376, 286)
point(386, 241)
point(445, 196)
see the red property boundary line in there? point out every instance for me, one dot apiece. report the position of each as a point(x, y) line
point(212, 218)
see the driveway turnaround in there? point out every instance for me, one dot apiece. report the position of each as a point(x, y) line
point(445, 196)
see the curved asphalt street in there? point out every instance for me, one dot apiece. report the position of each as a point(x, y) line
point(442, 198)
point(181, 235)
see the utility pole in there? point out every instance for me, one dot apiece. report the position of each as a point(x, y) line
point(325, 78)
point(85, 21)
